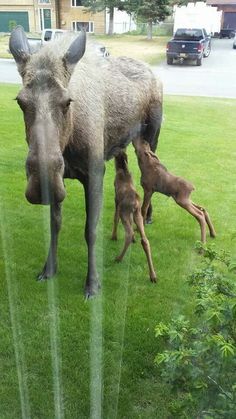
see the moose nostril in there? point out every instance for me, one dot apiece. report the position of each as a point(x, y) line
point(31, 165)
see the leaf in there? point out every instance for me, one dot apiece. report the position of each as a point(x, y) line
point(161, 330)
point(160, 358)
point(232, 266)
point(227, 350)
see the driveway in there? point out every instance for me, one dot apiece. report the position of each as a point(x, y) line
point(216, 77)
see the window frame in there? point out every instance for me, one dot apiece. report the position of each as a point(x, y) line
point(44, 2)
point(74, 1)
point(75, 22)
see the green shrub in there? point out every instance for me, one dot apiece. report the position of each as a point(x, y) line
point(200, 361)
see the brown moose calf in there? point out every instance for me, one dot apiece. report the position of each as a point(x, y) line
point(128, 209)
point(156, 178)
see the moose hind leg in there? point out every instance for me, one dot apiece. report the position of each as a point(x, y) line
point(115, 222)
point(138, 219)
point(208, 220)
point(146, 204)
point(151, 135)
point(50, 266)
point(126, 220)
point(196, 213)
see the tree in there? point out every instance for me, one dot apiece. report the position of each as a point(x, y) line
point(100, 5)
point(149, 11)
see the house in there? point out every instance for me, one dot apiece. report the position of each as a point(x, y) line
point(36, 15)
point(33, 15)
point(228, 8)
point(73, 16)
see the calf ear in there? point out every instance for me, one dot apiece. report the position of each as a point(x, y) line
point(75, 52)
point(19, 46)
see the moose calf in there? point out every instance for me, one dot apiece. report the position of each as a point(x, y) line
point(128, 209)
point(156, 178)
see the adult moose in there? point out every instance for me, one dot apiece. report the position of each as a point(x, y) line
point(79, 110)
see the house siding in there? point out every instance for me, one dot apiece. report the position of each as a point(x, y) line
point(32, 8)
point(69, 14)
point(227, 6)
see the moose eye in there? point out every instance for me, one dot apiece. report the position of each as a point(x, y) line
point(66, 104)
point(22, 103)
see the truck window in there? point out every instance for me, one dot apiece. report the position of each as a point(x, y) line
point(47, 35)
point(189, 34)
point(58, 34)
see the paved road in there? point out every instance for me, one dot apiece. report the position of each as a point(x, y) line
point(216, 77)
point(8, 72)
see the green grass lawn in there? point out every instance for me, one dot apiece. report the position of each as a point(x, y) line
point(61, 357)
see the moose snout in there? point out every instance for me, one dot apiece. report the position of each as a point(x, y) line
point(45, 180)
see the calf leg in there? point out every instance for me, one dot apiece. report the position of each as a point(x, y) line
point(138, 219)
point(208, 220)
point(196, 213)
point(146, 202)
point(148, 219)
point(115, 223)
point(129, 234)
point(151, 135)
point(50, 266)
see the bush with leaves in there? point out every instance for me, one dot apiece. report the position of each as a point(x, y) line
point(200, 361)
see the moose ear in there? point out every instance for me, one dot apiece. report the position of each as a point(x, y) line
point(19, 46)
point(75, 52)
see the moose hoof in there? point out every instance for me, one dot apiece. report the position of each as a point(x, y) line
point(148, 221)
point(91, 290)
point(114, 238)
point(47, 272)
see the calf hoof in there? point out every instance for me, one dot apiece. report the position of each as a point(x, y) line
point(47, 272)
point(91, 290)
point(118, 259)
point(153, 279)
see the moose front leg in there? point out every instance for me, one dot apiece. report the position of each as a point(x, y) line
point(93, 200)
point(50, 266)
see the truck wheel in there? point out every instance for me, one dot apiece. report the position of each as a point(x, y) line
point(207, 52)
point(169, 60)
point(199, 61)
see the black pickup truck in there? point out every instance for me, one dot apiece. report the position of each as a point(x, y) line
point(188, 44)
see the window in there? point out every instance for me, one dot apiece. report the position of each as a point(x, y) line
point(76, 3)
point(47, 35)
point(44, 1)
point(87, 26)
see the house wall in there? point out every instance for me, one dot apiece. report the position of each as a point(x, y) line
point(227, 9)
point(226, 6)
point(69, 14)
point(32, 7)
